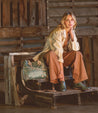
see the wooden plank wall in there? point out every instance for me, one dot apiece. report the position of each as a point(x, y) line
point(20, 26)
point(18, 17)
point(86, 12)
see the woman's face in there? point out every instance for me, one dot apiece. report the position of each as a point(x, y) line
point(69, 22)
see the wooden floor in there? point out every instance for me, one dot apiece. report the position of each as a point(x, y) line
point(91, 108)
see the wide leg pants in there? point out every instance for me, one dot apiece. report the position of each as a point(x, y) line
point(73, 58)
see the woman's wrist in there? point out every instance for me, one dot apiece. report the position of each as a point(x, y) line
point(71, 34)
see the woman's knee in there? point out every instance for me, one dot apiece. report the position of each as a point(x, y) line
point(79, 53)
point(51, 53)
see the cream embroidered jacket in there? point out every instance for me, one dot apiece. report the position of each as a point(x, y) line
point(55, 42)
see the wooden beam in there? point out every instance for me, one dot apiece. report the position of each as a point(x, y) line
point(17, 49)
point(18, 42)
point(7, 50)
point(82, 21)
point(87, 31)
point(5, 43)
point(10, 32)
point(78, 11)
point(34, 49)
point(86, 21)
point(21, 32)
point(33, 41)
point(70, 4)
point(82, 31)
point(21, 53)
point(31, 31)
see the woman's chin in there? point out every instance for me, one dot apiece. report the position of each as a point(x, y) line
point(70, 27)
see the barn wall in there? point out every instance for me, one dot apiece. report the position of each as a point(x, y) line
point(17, 17)
point(24, 14)
point(19, 29)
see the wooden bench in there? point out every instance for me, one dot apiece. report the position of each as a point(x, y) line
point(11, 67)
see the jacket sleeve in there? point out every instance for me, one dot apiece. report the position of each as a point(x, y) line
point(57, 45)
point(74, 45)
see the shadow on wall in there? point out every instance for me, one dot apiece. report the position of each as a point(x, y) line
point(2, 97)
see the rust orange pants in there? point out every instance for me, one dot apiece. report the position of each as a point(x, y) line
point(73, 58)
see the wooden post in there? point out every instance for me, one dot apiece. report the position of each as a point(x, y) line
point(12, 75)
point(53, 103)
point(10, 81)
point(6, 79)
point(0, 14)
point(95, 60)
point(79, 99)
point(87, 57)
point(11, 96)
point(7, 72)
point(15, 94)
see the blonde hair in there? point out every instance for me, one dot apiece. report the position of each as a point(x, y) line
point(62, 22)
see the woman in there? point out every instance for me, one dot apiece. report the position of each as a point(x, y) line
point(62, 49)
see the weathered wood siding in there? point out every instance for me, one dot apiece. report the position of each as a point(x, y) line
point(18, 31)
point(20, 28)
point(86, 12)
point(17, 17)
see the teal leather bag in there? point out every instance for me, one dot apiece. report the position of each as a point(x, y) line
point(34, 70)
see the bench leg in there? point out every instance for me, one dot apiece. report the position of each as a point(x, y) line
point(53, 87)
point(79, 99)
point(53, 104)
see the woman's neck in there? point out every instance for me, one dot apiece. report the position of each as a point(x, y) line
point(67, 29)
